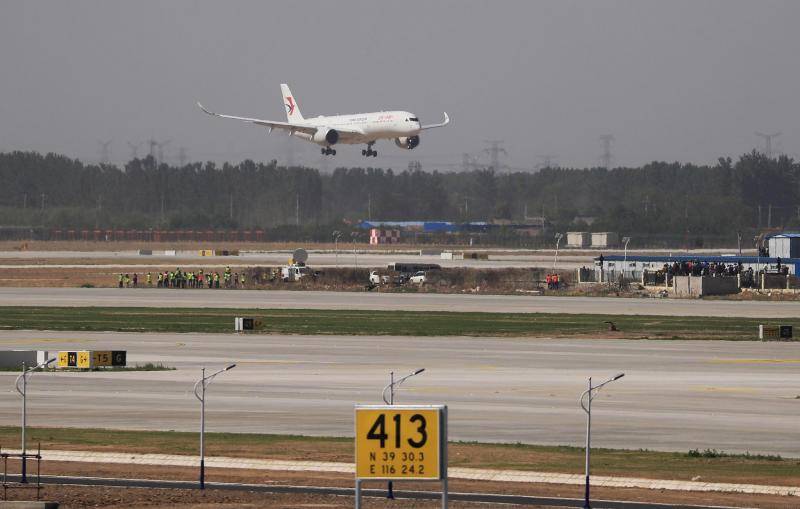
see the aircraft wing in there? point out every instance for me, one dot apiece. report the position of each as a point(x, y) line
point(271, 124)
point(266, 123)
point(431, 126)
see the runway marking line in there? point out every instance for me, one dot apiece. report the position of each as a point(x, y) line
point(755, 361)
point(45, 340)
point(278, 361)
point(731, 390)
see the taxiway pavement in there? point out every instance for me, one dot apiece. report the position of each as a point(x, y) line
point(676, 395)
point(290, 299)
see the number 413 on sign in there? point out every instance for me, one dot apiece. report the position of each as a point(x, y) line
point(400, 442)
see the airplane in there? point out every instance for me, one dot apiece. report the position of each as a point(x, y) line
point(402, 126)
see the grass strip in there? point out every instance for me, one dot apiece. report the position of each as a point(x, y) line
point(710, 467)
point(400, 323)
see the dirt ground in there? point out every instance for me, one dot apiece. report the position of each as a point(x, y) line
point(77, 245)
point(450, 280)
point(80, 497)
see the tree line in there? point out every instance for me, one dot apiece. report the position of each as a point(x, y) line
point(658, 198)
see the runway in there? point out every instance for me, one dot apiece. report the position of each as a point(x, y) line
point(289, 299)
point(317, 259)
point(676, 395)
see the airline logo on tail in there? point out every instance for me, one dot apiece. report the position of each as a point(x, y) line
point(289, 105)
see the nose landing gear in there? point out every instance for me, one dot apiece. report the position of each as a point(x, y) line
point(327, 151)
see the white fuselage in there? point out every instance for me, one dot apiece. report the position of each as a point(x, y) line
point(370, 126)
point(402, 126)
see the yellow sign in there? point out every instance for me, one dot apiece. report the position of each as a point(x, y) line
point(81, 359)
point(64, 359)
point(400, 442)
point(85, 359)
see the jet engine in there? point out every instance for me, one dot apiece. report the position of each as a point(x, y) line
point(325, 136)
point(407, 142)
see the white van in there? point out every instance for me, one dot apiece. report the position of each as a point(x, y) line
point(294, 272)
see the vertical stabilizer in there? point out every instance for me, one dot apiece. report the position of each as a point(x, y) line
point(292, 108)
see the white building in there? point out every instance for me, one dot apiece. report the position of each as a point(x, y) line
point(605, 239)
point(578, 239)
point(784, 245)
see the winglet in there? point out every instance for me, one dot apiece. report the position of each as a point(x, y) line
point(446, 121)
point(205, 110)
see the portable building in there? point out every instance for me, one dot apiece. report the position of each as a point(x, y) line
point(784, 245)
point(605, 239)
point(578, 239)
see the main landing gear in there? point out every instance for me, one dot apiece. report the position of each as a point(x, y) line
point(327, 151)
point(369, 152)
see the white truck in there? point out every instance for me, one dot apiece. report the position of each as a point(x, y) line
point(376, 279)
point(294, 272)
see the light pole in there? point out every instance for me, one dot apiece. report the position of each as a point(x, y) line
point(739, 242)
point(559, 236)
point(354, 235)
point(625, 241)
point(336, 235)
point(23, 392)
point(758, 264)
point(390, 401)
point(201, 385)
point(590, 394)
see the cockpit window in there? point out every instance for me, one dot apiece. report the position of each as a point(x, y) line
point(414, 119)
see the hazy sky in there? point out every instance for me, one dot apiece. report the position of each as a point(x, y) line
point(671, 80)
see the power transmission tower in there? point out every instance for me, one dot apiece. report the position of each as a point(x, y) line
point(161, 146)
point(152, 144)
point(469, 162)
point(768, 142)
point(182, 156)
point(105, 151)
point(606, 158)
point(324, 166)
point(547, 161)
point(290, 152)
point(494, 150)
point(134, 149)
